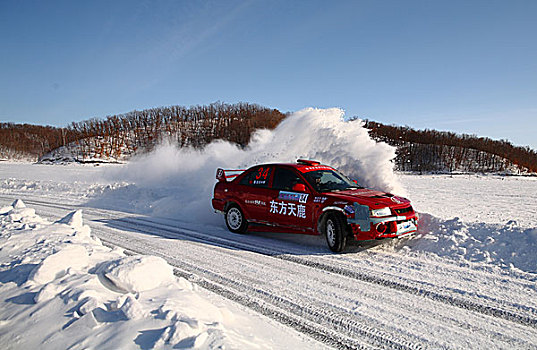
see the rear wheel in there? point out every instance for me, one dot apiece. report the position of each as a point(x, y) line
point(336, 232)
point(235, 220)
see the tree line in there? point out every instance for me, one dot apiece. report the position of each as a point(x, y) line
point(121, 136)
point(432, 150)
point(27, 141)
point(139, 131)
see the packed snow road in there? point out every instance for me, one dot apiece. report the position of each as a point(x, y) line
point(370, 297)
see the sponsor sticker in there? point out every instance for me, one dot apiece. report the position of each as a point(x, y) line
point(255, 202)
point(289, 209)
point(405, 226)
point(349, 209)
point(293, 196)
point(313, 168)
point(319, 199)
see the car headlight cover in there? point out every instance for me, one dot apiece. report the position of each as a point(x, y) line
point(381, 212)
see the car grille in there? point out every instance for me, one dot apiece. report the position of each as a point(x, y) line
point(403, 210)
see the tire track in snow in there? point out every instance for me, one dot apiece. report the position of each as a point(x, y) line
point(304, 318)
point(369, 277)
point(319, 311)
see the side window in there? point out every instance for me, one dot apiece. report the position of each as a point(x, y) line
point(285, 179)
point(257, 177)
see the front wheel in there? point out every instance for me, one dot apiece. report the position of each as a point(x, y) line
point(336, 233)
point(235, 220)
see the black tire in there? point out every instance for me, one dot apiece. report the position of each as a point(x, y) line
point(335, 229)
point(235, 220)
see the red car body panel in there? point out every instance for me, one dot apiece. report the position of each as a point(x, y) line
point(269, 208)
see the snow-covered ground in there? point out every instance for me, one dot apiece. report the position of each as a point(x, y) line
point(490, 219)
point(132, 256)
point(476, 198)
point(61, 287)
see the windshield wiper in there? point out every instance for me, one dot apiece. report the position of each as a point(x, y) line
point(344, 189)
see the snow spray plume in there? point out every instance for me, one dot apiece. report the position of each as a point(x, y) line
point(178, 182)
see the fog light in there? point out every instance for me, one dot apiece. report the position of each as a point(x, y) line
point(381, 228)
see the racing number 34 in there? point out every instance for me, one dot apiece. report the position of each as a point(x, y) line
point(262, 174)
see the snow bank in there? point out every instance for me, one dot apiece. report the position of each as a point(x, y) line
point(55, 266)
point(507, 246)
point(474, 218)
point(137, 273)
point(73, 219)
point(176, 182)
point(61, 288)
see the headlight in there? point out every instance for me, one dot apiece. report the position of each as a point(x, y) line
point(381, 212)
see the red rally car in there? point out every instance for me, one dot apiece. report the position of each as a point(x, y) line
point(311, 198)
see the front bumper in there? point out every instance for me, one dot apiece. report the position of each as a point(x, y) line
point(386, 227)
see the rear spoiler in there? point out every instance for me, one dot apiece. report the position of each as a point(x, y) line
point(222, 175)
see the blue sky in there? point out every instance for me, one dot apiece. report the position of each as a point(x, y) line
point(465, 66)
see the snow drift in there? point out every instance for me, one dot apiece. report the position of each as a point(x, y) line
point(175, 182)
point(507, 246)
point(60, 288)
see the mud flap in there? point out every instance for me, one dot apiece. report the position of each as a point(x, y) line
point(361, 217)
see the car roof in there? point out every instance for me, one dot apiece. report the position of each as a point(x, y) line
point(303, 168)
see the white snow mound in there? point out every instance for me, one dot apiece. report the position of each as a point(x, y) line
point(138, 273)
point(19, 216)
point(56, 265)
point(78, 293)
point(73, 219)
point(507, 246)
point(6, 209)
point(18, 204)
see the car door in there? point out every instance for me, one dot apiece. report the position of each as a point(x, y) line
point(254, 194)
point(288, 206)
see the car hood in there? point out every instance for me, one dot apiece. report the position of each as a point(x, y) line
point(372, 198)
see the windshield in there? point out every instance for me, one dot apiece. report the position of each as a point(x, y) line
point(329, 180)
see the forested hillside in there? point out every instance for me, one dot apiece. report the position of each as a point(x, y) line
point(119, 137)
point(432, 150)
point(28, 142)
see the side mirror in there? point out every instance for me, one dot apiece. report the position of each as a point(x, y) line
point(356, 182)
point(299, 188)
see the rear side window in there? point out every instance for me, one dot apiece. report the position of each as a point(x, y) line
point(257, 177)
point(285, 179)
